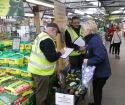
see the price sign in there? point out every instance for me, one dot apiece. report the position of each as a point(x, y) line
point(16, 44)
point(64, 99)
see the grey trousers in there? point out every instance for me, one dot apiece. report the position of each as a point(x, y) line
point(42, 87)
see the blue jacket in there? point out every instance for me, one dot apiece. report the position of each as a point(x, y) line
point(96, 54)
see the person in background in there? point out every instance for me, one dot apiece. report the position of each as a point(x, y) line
point(102, 34)
point(72, 32)
point(96, 55)
point(116, 40)
point(43, 59)
point(111, 31)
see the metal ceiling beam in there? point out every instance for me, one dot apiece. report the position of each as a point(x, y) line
point(96, 6)
point(114, 5)
point(79, 2)
point(92, 1)
point(30, 7)
point(118, 14)
point(104, 6)
point(113, 0)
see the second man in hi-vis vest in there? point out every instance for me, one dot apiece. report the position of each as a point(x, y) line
point(43, 59)
point(73, 32)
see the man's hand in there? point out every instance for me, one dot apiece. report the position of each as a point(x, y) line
point(62, 51)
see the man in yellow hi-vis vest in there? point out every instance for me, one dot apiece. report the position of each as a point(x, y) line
point(72, 33)
point(43, 59)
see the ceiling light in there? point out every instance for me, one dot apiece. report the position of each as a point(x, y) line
point(3, 17)
point(91, 11)
point(69, 13)
point(89, 16)
point(79, 12)
point(40, 3)
point(91, 0)
point(118, 11)
point(29, 15)
point(121, 8)
point(96, 3)
point(123, 20)
point(47, 16)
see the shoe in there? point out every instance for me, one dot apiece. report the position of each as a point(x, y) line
point(91, 104)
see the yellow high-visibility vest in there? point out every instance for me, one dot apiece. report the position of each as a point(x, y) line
point(38, 63)
point(74, 36)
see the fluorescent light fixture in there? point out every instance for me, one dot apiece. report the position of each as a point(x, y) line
point(96, 3)
point(92, 0)
point(118, 11)
point(123, 20)
point(69, 13)
point(40, 3)
point(79, 12)
point(29, 14)
point(3, 17)
point(121, 8)
point(89, 16)
point(87, 11)
point(47, 16)
point(91, 11)
point(11, 20)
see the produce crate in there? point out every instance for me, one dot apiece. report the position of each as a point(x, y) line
point(16, 61)
point(71, 84)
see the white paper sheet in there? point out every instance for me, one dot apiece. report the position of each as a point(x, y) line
point(64, 99)
point(80, 42)
point(67, 52)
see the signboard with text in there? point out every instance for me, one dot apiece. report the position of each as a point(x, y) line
point(64, 99)
point(11, 8)
point(60, 15)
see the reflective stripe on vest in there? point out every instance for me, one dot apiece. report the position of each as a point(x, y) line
point(41, 66)
point(38, 63)
point(74, 36)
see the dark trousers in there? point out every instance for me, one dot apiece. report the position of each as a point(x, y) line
point(42, 87)
point(111, 48)
point(98, 84)
point(76, 61)
point(117, 48)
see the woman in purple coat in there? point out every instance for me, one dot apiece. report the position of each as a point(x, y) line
point(96, 55)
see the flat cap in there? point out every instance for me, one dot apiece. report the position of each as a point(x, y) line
point(54, 25)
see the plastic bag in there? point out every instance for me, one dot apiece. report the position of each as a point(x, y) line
point(87, 74)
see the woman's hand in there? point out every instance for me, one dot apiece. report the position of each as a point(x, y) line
point(82, 48)
point(85, 61)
